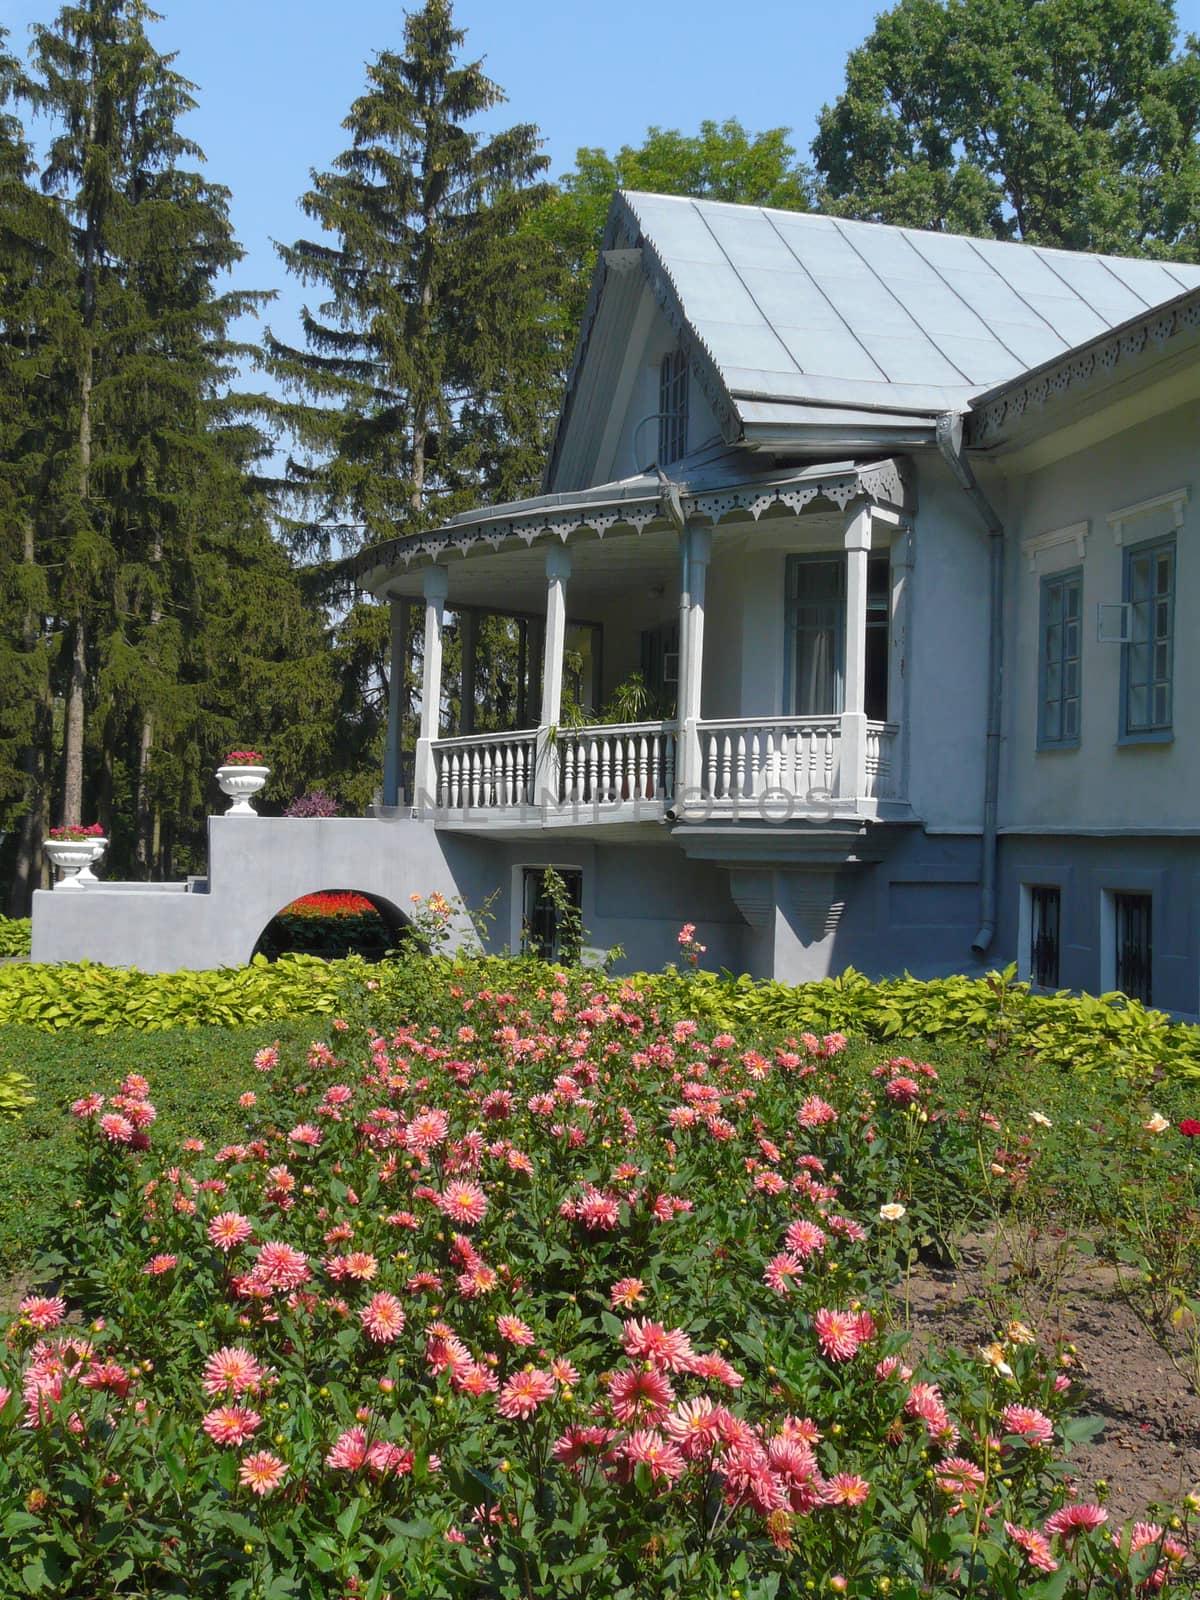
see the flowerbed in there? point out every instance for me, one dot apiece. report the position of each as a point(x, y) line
point(555, 1296)
point(332, 924)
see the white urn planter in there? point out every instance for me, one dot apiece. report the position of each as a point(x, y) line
point(239, 783)
point(74, 859)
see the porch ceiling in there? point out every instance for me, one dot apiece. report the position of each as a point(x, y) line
point(488, 553)
point(514, 580)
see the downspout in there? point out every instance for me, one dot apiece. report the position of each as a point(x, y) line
point(949, 437)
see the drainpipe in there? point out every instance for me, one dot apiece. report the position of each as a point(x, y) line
point(949, 437)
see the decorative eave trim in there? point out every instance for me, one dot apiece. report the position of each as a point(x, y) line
point(994, 416)
point(1037, 544)
point(1174, 500)
point(886, 483)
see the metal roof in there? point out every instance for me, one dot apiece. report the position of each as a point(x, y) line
point(798, 309)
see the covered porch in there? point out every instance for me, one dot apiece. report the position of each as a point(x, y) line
point(752, 628)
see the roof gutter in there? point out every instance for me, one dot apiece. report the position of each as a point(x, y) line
point(949, 436)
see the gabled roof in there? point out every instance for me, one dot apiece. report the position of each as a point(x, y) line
point(785, 314)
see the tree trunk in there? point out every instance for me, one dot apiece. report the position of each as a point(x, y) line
point(28, 867)
point(104, 791)
point(166, 852)
point(144, 853)
point(72, 800)
point(146, 848)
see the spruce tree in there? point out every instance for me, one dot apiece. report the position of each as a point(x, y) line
point(421, 360)
point(35, 266)
point(147, 515)
point(421, 387)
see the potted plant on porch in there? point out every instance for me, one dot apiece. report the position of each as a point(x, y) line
point(242, 774)
point(74, 850)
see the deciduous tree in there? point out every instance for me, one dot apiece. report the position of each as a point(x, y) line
point(1063, 122)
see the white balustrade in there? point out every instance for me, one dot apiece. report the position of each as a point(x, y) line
point(883, 751)
point(609, 765)
point(485, 772)
point(605, 765)
point(743, 760)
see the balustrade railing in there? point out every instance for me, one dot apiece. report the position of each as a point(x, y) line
point(483, 772)
point(606, 765)
point(743, 760)
point(883, 756)
point(623, 761)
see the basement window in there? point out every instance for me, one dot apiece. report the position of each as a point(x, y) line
point(1045, 916)
point(551, 926)
point(1132, 929)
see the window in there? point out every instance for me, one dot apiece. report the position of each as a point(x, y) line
point(879, 605)
point(815, 626)
point(1059, 660)
point(1133, 946)
point(550, 924)
point(1148, 657)
point(1045, 903)
point(660, 662)
point(672, 407)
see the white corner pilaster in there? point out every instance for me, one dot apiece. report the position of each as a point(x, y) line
point(397, 675)
point(695, 552)
point(852, 782)
point(436, 587)
point(902, 557)
point(558, 570)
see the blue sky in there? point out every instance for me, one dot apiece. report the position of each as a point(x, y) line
point(276, 77)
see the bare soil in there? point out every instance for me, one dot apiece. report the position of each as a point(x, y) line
point(1149, 1449)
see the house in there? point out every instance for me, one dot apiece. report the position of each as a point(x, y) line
point(894, 528)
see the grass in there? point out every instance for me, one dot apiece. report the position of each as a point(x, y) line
point(193, 1071)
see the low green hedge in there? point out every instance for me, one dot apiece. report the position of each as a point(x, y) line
point(102, 999)
point(15, 935)
point(1083, 1033)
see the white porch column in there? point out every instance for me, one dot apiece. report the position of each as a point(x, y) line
point(695, 552)
point(558, 570)
point(436, 584)
point(853, 780)
point(397, 674)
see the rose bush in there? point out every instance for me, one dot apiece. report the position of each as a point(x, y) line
point(552, 1295)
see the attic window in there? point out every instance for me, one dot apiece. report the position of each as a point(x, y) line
point(672, 407)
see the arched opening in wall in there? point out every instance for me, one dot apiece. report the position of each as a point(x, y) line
point(333, 923)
